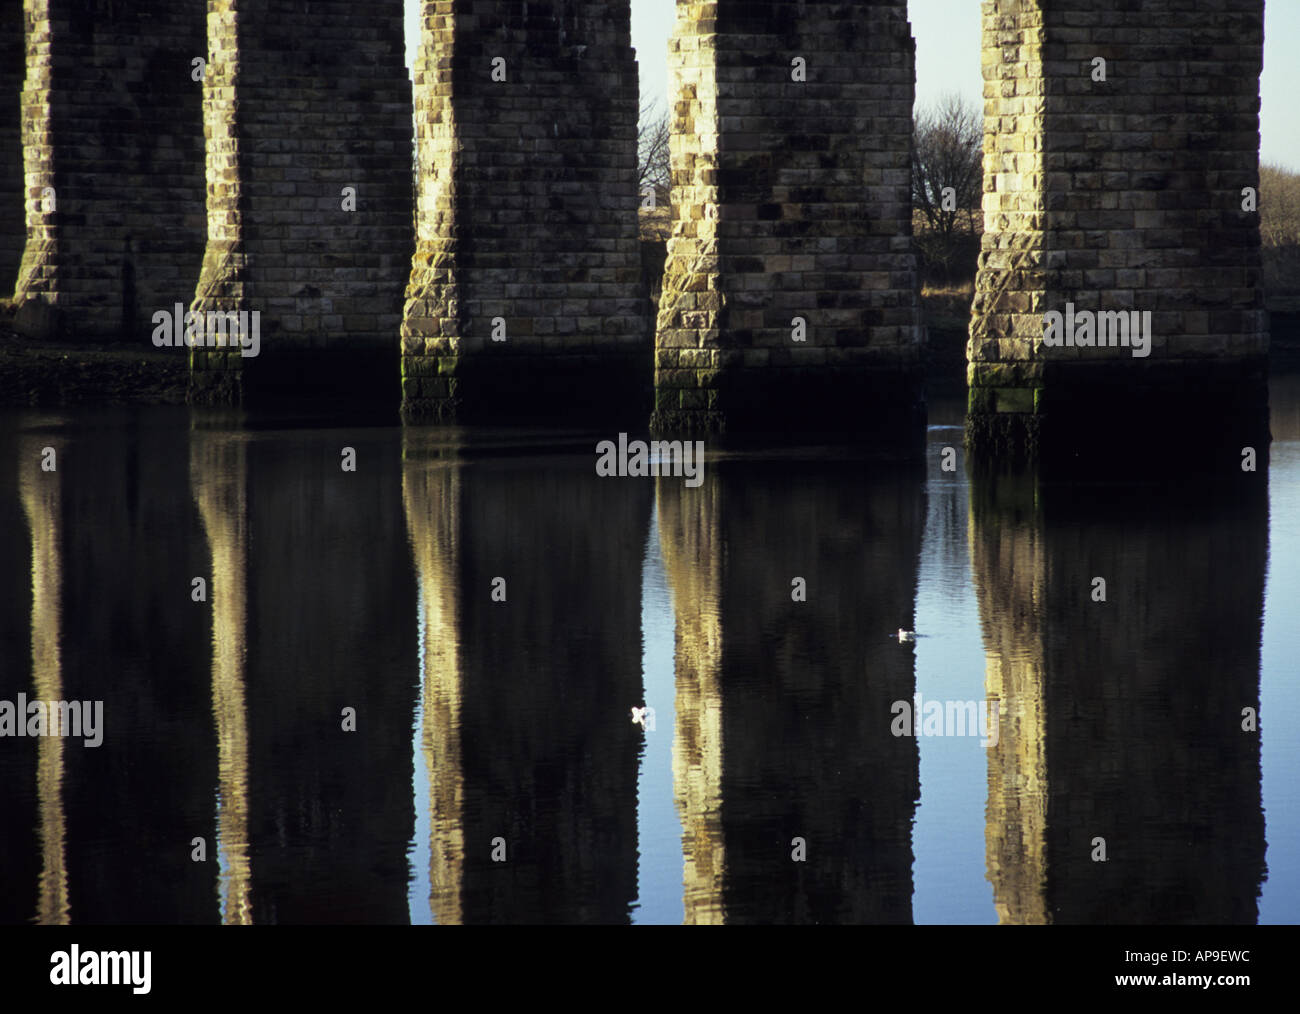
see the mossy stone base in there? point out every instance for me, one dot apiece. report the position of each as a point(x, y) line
point(590, 388)
point(306, 377)
point(883, 405)
point(1124, 417)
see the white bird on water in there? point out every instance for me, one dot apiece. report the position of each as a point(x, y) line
point(904, 636)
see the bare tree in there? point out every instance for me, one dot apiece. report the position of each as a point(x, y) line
point(947, 186)
point(1279, 229)
point(1279, 206)
point(653, 167)
point(947, 154)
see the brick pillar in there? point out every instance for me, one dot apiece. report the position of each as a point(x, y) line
point(524, 297)
point(112, 152)
point(11, 144)
point(307, 110)
point(791, 200)
point(1122, 194)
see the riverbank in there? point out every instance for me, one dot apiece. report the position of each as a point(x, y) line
point(49, 375)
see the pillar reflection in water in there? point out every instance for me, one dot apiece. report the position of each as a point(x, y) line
point(688, 536)
point(329, 626)
point(527, 734)
point(1006, 548)
point(42, 501)
point(218, 479)
point(431, 499)
point(110, 630)
point(20, 849)
point(784, 707)
point(1122, 719)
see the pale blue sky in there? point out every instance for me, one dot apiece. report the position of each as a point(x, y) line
point(948, 59)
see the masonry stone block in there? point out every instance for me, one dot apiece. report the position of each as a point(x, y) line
point(307, 113)
point(526, 140)
point(791, 161)
point(112, 148)
point(1121, 194)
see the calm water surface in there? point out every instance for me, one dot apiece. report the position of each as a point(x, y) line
point(227, 788)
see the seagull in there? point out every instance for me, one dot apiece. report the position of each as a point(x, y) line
point(638, 716)
point(904, 636)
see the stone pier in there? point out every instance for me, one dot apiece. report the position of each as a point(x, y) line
point(112, 144)
point(524, 298)
point(1119, 141)
point(1121, 175)
point(307, 113)
point(790, 294)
